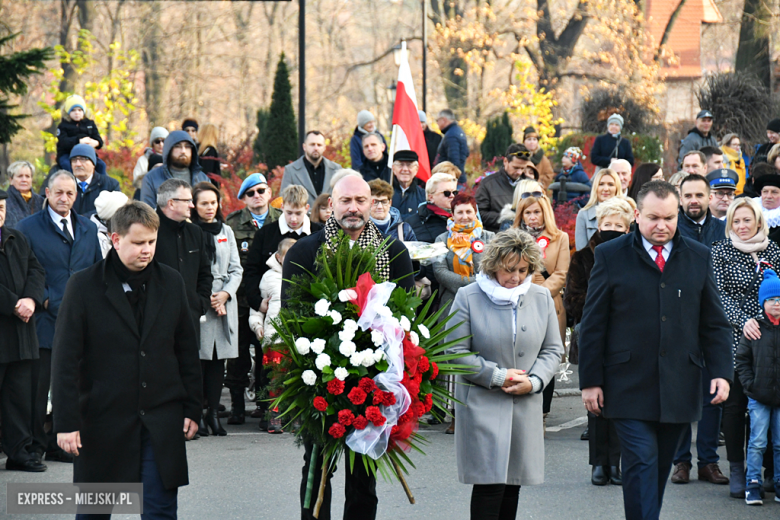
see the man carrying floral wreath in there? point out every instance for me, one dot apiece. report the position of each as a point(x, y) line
point(351, 204)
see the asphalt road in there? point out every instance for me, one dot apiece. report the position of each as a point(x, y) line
point(250, 474)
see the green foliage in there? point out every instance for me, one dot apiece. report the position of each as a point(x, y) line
point(281, 134)
point(498, 137)
point(258, 147)
point(110, 99)
point(16, 68)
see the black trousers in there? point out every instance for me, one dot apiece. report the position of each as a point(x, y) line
point(237, 377)
point(16, 408)
point(359, 490)
point(43, 442)
point(547, 396)
point(213, 374)
point(603, 442)
point(494, 502)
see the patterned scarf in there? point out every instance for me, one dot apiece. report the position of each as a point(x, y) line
point(533, 231)
point(370, 236)
point(459, 241)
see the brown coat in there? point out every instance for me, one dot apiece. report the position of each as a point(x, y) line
point(556, 262)
point(546, 173)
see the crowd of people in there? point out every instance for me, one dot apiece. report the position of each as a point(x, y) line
point(83, 266)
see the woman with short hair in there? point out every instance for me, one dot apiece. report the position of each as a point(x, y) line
point(739, 263)
point(614, 218)
point(510, 328)
point(22, 200)
point(605, 185)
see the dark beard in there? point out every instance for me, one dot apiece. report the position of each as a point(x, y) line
point(696, 218)
point(180, 162)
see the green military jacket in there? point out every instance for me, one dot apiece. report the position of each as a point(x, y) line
point(245, 227)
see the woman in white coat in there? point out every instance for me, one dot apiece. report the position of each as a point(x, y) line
point(516, 344)
point(219, 326)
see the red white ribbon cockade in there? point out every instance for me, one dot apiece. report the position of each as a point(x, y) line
point(371, 300)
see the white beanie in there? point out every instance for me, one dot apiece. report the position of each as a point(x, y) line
point(108, 202)
point(158, 132)
point(422, 116)
point(364, 117)
point(615, 118)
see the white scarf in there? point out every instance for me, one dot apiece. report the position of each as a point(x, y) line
point(501, 295)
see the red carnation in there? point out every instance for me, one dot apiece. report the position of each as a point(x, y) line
point(389, 398)
point(367, 385)
point(337, 431)
point(335, 387)
point(428, 402)
point(408, 416)
point(420, 408)
point(357, 396)
point(424, 364)
point(346, 417)
point(434, 370)
point(414, 388)
point(417, 378)
point(394, 430)
point(375, 416)
point(360, 422)
point(405, 379)
point(320, 403)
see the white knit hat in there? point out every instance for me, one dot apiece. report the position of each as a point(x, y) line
point(108, 202)
point(364, 117)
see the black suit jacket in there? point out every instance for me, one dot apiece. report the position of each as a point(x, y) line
point(304, 252)
point(109, 378)
point(645, 335)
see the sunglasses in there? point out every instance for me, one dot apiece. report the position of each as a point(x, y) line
point(448, 193)
point(521, 155)
point(251, 193)
point(159, 141)
point(534, 194)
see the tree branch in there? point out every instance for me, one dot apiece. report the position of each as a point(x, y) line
point(668, 29)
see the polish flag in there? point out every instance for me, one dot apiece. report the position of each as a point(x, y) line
point(407, 132)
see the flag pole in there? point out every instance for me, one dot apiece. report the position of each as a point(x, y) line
point(391, 152)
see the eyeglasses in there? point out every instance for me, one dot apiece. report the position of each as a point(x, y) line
point(534, 194)
point(188, 201)
point(159, 141)
point(448, 193)
point(773, 301)
point(722, 194)
point(383, 203)
point(251, 193)
point(521, 155)
point(80, 160)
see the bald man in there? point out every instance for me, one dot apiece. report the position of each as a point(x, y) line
point(351, 205)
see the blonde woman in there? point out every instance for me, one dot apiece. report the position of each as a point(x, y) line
point(207, 149)
point(606, 184)
point(524, 189)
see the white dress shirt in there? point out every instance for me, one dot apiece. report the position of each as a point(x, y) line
point(57, 219)
point(666, 251)
point(304, 228)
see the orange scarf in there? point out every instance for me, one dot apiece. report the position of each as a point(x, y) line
point(459, 241)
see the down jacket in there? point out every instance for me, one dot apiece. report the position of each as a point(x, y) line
point(758, 364)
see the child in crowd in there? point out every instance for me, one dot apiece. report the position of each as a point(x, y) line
point(756, 362)
point(260, 321)
point(76, 128)
point(572, 171)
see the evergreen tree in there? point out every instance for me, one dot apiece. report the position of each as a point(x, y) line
point(281, 134)
point(17, 67)
point(263, 115)
point(497, 138)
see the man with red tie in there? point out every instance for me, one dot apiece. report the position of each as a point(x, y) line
point(652, 319)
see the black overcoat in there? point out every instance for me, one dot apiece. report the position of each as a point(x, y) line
point(645, 335)
point(21, 276)
point(109, 379)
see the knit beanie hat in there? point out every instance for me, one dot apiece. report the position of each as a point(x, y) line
point(530, 132)
point(158, 132)
point(189, 122)
point(365, 117)
point(83, 150)
point(74, 101)
point(615, 118)
point(575, 154)
point(774, 125)
point(770, 287)
point(422, 116)
point(108, 202)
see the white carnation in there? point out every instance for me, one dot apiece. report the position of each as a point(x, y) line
point(302, 345)
point(378, 355)
point(424, 331)
point(321, 307)
point(368, 357)
point(341, 373)
point(406, 324)
point(356, 359)
point(309, 377)
point(377, 338)
point(347, 295)
point(322, 361)
point(414, 338)
point(350, 325)
point(318, 345)
point(385, 311)
point(346, 335)
point(336, 315)
point(347, 348)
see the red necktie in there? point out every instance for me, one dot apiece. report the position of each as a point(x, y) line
point(659, 258)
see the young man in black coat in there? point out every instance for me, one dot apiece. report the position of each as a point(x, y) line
point(22, 281)
point(181, 245)
point(351, 204)
point(652, 319)
point(127, 387)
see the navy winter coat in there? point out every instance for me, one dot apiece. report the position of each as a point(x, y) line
point(356, 148)
point(392, 227)
point(645, 335)
point(408, 202)
point(85, 201)
point(577, 175)
point(713, 230)
point(454, 148)
point(60, 260)
point(606, 147)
